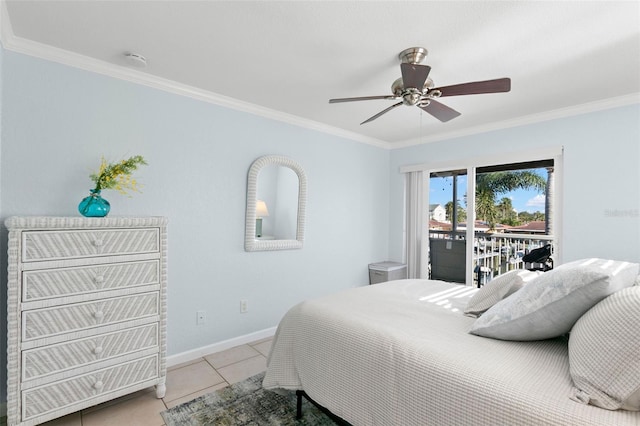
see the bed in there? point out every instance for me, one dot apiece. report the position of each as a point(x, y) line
point(400, 353)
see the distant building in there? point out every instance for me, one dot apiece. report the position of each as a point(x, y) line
point(482, 226)
point(437, 212)
point(534, 227)
point(439, 226)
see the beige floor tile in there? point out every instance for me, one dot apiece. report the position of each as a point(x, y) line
point(231, 356)
point(171, 404)
point(68, 420)
point(119, 400)
point(143, 410)
point(192, 378)
point(241, 370)
point(263, 347)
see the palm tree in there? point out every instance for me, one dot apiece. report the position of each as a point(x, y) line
point(506, 213)
point(490, 185)
point(462, 213)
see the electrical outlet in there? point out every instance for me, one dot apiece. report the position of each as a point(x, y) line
point(201, 317)
point(244, 306)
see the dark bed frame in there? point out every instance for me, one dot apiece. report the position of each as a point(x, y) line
point(337, 420)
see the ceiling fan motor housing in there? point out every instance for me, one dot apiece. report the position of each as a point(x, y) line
point(397, 88)
point(411, 96)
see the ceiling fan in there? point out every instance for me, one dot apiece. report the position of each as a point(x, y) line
point(415, 88)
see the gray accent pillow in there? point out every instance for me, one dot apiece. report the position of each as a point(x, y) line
point(497, 289)
point(604, 353)
point(552, 303)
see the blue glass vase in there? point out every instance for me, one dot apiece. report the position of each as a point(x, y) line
point(94, 205)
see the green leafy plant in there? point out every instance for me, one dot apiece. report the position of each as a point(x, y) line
point(118, 175)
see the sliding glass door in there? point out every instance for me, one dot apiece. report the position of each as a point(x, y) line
point(447, 218)
point(485, 218)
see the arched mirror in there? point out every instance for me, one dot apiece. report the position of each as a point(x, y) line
point(276, 200)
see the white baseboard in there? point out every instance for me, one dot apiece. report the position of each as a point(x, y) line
point(219, 346)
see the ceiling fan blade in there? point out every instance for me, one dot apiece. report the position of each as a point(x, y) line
point(384, 111)
point(476, 87)
point(441, 111)
point(363, 98)
point(414, 75)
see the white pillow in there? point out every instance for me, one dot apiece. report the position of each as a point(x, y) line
point(604, 353)
point(497, 289)
point(551, 304)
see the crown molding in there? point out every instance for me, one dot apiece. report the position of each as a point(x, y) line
point(600, 105)
point(75, 60)
point(65, 57)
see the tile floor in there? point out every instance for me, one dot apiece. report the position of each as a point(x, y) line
point(184, 383)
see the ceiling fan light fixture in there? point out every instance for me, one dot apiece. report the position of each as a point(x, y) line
point(429, 84)
point(397, 87)
point(424, 102)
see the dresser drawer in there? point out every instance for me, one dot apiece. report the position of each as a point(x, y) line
point(40, 323)
point(69, 244)
point(49, 283)
point(39, 401)
point(56, 358)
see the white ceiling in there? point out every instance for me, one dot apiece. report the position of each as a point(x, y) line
point(288, 58)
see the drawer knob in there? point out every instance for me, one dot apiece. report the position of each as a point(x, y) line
point(97, 350)
point(98, 314)
point(99, 279)
point(98, 385)
point(98, 243)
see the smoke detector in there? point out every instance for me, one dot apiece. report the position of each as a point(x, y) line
point(135, 60)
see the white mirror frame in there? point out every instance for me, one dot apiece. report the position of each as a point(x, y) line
point(250, 241)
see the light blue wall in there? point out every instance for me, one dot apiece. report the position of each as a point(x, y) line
point(601, 193)
point(59, 120)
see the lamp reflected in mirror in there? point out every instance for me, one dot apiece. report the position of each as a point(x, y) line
point(261, 211)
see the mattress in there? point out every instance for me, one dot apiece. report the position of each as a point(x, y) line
point(399, 353)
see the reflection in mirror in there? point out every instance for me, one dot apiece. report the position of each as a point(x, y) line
point(261, 212)
point(276, 199)
point(277, 189)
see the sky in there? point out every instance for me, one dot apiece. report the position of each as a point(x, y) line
point(441, 190)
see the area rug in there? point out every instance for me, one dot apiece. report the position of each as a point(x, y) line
point(243, 404)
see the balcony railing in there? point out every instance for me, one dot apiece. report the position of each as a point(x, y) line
point(493, 254)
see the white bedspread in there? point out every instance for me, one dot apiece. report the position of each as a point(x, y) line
point(398, 353)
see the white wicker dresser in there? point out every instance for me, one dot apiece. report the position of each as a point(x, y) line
point(86, 312)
